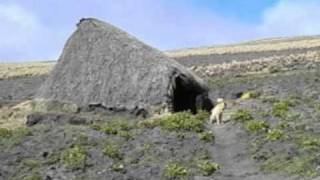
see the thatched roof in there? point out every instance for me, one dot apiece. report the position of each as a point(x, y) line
point(103, 65)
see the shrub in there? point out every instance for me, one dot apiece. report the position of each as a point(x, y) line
point(242, 115)
point(280, 109)
point(112, 151)
point(256, 125)
point(74, 157)
point(207, 136)
point(175, 170)
point(207, 167)
point(183, 121)
point(274, 134)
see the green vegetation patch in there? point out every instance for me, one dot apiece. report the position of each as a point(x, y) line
point(112, 151)
point(207, 167)
point(119, 126)
point(11, 138)
point(180, 121)
point(74, 157)
point(280, 109)
point(308, 142)
point(207, 136)
point(274, 134)
point(242, 115)
point(5, 133)
point(175, 170)
point(184, 121)
point(256, 126)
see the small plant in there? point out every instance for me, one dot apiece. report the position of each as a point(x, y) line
point(109, 128)
point(242, 115)
point(125, 134)
point(5, 133)
point(309, 142)
point(256, 125)
point(120, 127)
point(207, 136)
point(112, 151)
point(280, 109)
point(149, 123)
point(183, 121)
point(75, 157)
point(274, 134)
point(207, 167)
point(175, 171)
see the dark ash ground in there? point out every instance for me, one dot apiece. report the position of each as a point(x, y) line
point(36, 152)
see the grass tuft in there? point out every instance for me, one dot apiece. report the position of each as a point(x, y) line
point(175, 171)
point(256, 125)
point(207, 136)
point(242, 115)
point(207, 167)
point(274, 134)
point(112, 151)
point(74, 157)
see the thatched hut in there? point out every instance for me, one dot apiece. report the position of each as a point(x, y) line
point(103, 65)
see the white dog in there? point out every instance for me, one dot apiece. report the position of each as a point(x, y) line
point(217, 111)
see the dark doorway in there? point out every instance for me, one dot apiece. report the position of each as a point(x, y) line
point(184, 96)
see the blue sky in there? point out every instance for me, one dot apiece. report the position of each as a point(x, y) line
point(37, 29)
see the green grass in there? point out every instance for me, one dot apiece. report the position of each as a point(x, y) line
point(118, 126)
point(175, 170)
point(11, 138)
point(5, 133)
point(281, 108)
point(74, 157)
point(242, 115)
point(207, 136)
point(112, 151)
point(274, 134)
point(207, 167)
point(308, 142)
point(181, 121)
point(256, 126)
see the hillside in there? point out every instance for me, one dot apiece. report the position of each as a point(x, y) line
point(271, 129)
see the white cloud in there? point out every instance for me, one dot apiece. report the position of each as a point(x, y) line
point(38, 32)
point(290, 18)
point(23, 36)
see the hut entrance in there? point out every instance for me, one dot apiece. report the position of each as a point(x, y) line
point(184, 97)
